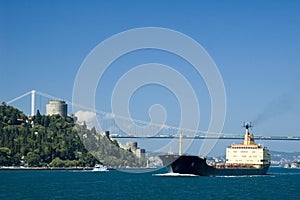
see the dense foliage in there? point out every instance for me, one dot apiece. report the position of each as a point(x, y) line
point(55, 141)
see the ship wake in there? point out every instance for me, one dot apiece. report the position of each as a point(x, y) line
point(172, 174)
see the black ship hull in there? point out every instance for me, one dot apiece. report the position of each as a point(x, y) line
point(187, 164)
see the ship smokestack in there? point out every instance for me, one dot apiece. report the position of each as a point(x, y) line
point(247, 129)
point(248, 138)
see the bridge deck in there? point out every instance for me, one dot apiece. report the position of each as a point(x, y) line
point(293, 138)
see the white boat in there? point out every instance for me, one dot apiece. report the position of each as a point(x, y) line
point(99, 168)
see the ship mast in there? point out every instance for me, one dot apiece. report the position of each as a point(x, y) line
point(180, 144)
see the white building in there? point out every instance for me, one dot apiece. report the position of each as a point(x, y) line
point(55, 107)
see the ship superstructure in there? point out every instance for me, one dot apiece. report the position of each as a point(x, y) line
point(247, 153)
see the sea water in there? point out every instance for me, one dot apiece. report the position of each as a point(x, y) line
point(155, 185)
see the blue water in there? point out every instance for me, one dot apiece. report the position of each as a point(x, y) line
point(38, 184)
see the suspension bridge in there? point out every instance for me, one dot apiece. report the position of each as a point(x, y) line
point(165, 131)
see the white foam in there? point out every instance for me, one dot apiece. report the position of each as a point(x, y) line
point(241, 176)
point(175, 174)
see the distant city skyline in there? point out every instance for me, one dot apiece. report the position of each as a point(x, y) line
point(254, 44)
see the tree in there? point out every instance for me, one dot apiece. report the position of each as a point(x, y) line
point(5, 156)
point(57, 162)
point(46, 121)
point(38, 117)
point(32, 159)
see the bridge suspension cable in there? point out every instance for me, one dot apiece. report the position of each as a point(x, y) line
point(113, 115)
point(19, 97)
point(166, 131)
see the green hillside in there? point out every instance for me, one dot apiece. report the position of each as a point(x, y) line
point(55, 141)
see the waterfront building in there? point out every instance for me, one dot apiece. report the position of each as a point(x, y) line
point(140, 153)
point(133, 147)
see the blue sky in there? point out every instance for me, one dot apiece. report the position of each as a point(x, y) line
point(255, 45)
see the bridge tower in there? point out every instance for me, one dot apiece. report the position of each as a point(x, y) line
point(32, 102)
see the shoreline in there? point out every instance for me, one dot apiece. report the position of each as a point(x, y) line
point(72, 168)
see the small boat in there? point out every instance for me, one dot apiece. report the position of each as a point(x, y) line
point(100, 168)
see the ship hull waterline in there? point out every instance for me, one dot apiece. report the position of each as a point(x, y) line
point(187, 164)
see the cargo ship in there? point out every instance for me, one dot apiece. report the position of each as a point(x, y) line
point(246, 158)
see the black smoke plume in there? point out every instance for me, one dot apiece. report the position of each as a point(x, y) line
point(280, 106)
